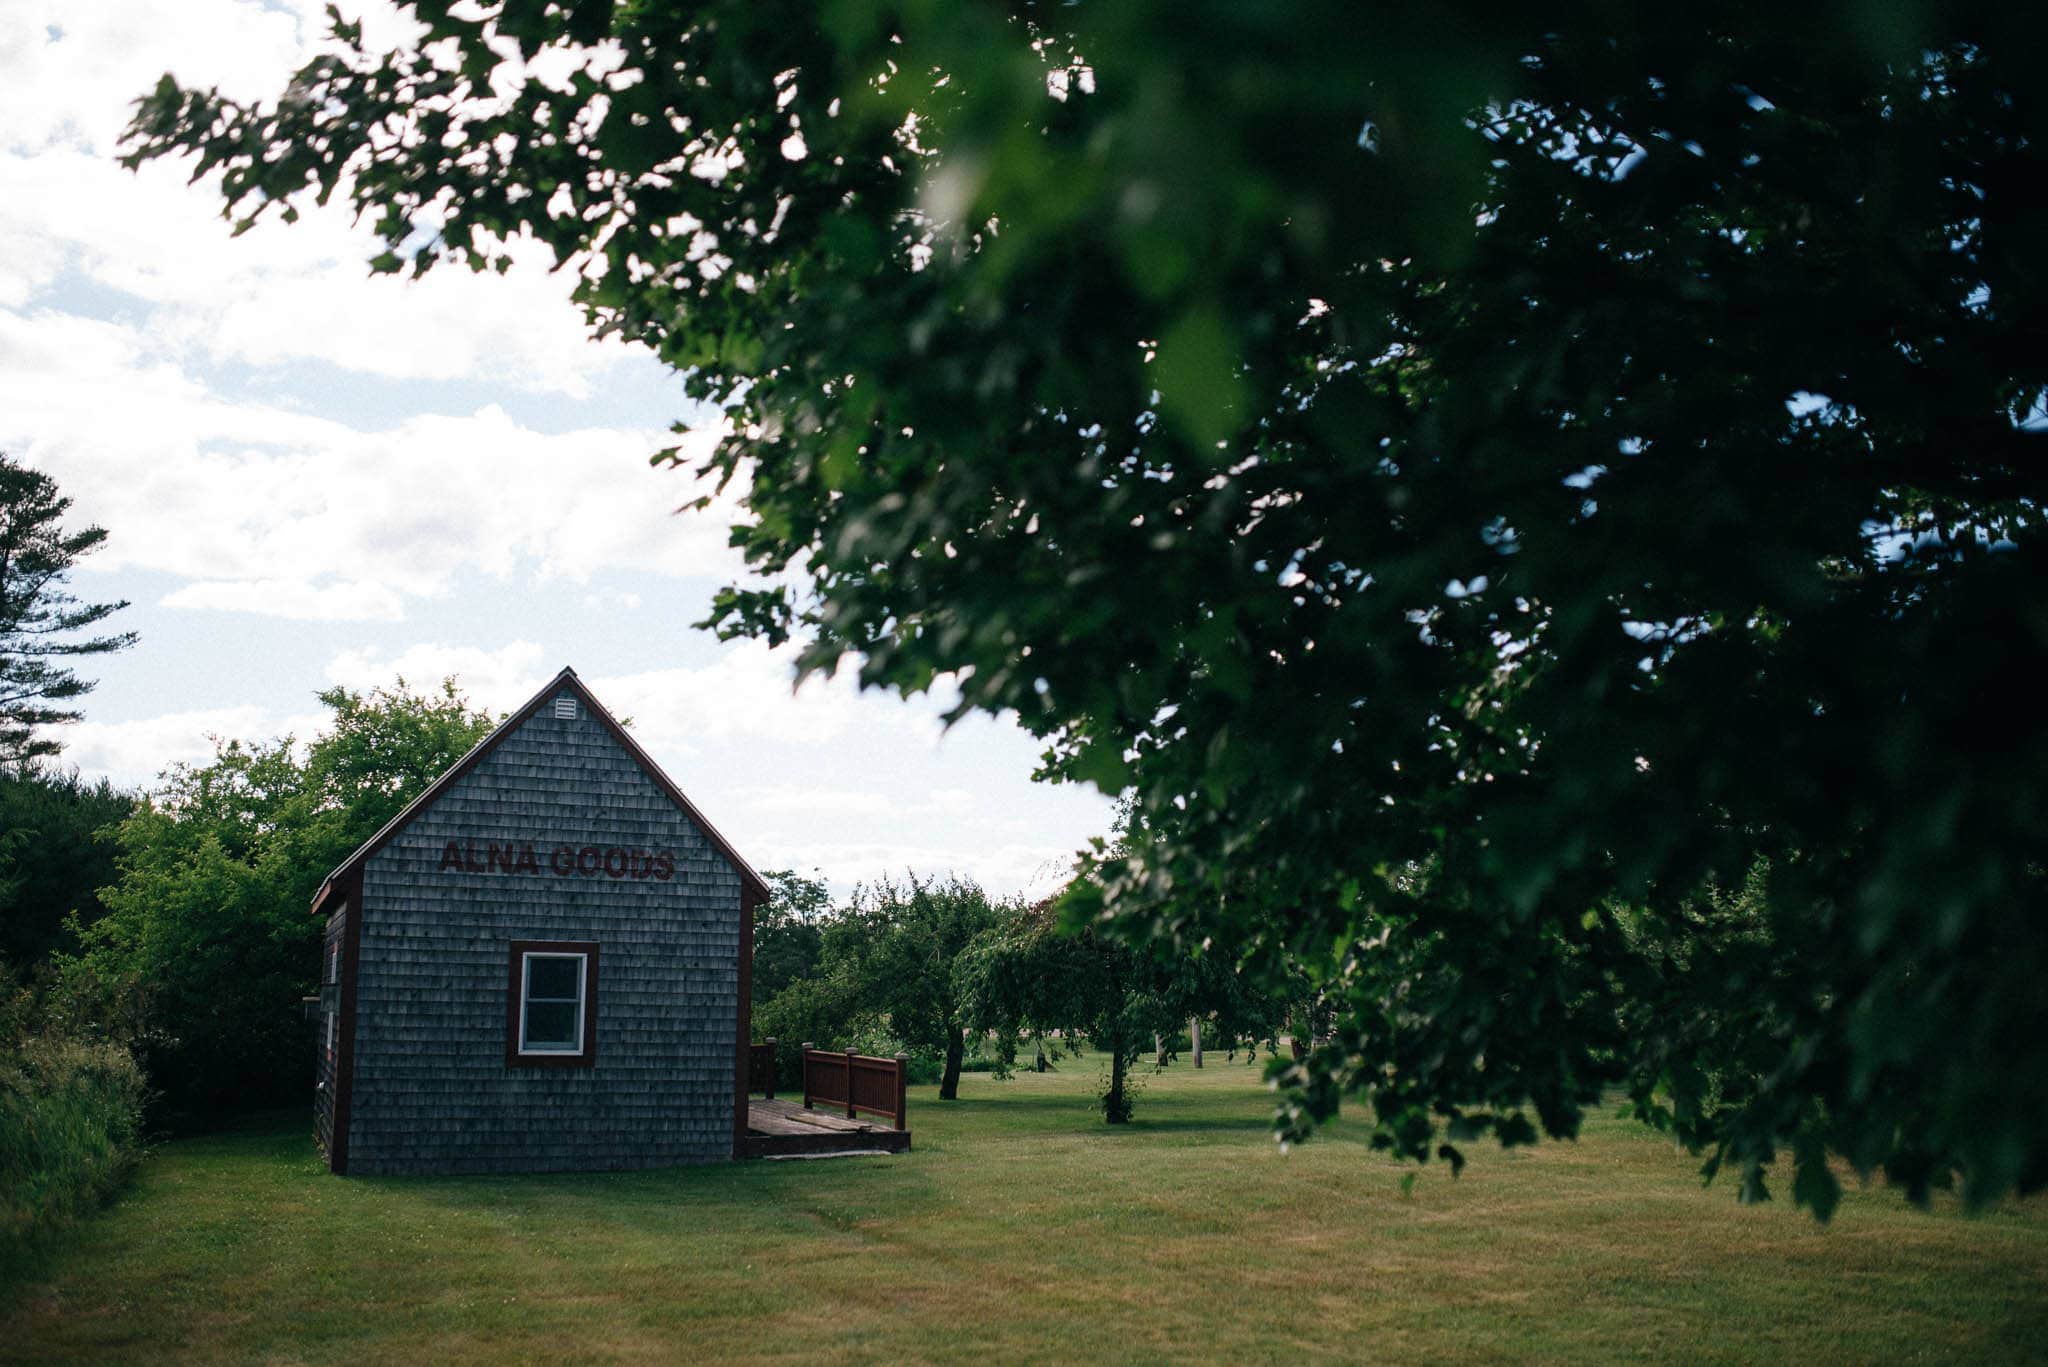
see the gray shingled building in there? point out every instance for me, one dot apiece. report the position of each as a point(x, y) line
point(542, 963)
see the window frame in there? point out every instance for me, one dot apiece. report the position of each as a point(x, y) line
point(517, 1056)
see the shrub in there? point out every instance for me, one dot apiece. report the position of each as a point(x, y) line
point(821, 1010)
point(70, 1131)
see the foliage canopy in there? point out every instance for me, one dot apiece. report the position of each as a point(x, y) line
point(875, 973)
point(896, 943)
point(1493, 475)
point(1031, 975)
point(789, 934)
point(207, 924)
point(56, 853)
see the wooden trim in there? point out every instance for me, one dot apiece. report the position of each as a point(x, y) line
point(743, 1024)
point(345, 1028)
point(516, 986)
point(761, 1069)
point(839, 1068)
point(749, 879)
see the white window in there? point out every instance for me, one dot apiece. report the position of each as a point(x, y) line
point(553, 999)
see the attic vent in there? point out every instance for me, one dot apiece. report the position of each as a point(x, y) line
point(565, 709)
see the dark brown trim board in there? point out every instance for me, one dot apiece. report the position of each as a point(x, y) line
point(588, 1056)
point(743, 1032)
point(345, 1028)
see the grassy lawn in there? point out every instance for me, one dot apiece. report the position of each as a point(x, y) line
point(1022, 1228)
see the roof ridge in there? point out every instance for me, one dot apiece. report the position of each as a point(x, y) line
point(476, 754)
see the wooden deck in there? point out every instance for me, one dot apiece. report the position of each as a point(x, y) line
point(781, 1129)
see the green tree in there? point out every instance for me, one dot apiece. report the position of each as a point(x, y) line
point(826, 1010)
point(39, 619)
point(208, 920)
point(789, 935)
point(896, 944)
point(56, 852)
point(1459, 472)
point(1033, 976)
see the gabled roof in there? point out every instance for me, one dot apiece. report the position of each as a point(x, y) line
point(750, 880)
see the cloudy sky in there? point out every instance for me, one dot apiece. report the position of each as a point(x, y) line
point(314, 477)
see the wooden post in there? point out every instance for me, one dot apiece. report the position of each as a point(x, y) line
point(902, 1104)
point(1195, 1034)
point(850, 1057)
point(771, 1068)
point(808, 1046)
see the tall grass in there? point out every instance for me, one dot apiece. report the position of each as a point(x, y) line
point(70, 1131)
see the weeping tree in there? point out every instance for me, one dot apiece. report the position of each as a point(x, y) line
point(1475, 468)
point(1033, 976)
point(895, 945)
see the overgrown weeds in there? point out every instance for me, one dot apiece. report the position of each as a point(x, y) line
point(71, 1129)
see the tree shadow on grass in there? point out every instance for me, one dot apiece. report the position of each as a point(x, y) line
point(1023, 1114)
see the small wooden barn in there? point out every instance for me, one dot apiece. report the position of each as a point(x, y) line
point(542, 963)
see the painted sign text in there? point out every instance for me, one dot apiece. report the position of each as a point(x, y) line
point(564, 861)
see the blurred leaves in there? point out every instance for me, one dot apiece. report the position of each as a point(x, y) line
point(1456, 467)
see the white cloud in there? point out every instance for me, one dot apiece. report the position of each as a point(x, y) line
point(133, 753)
point(299, 516)
point(346, 602)
point(746, 691)
point(300, 292)
point(269, 508)
point(743, 694)
point(69, 73)
point(70, 69)
point(499, 679)
point(816, 803)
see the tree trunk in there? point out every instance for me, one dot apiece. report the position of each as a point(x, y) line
point(1195, 1035)
point(956, 1050)
point(1115, 1109)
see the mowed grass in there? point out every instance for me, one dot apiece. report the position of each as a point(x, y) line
point(1023, 1229)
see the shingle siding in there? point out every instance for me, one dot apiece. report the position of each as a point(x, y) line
point(432, 1091)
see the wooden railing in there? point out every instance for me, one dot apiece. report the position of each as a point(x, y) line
point(857, 1083)
point(761, 1068)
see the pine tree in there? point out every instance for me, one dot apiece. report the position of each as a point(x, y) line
point(39, 621)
